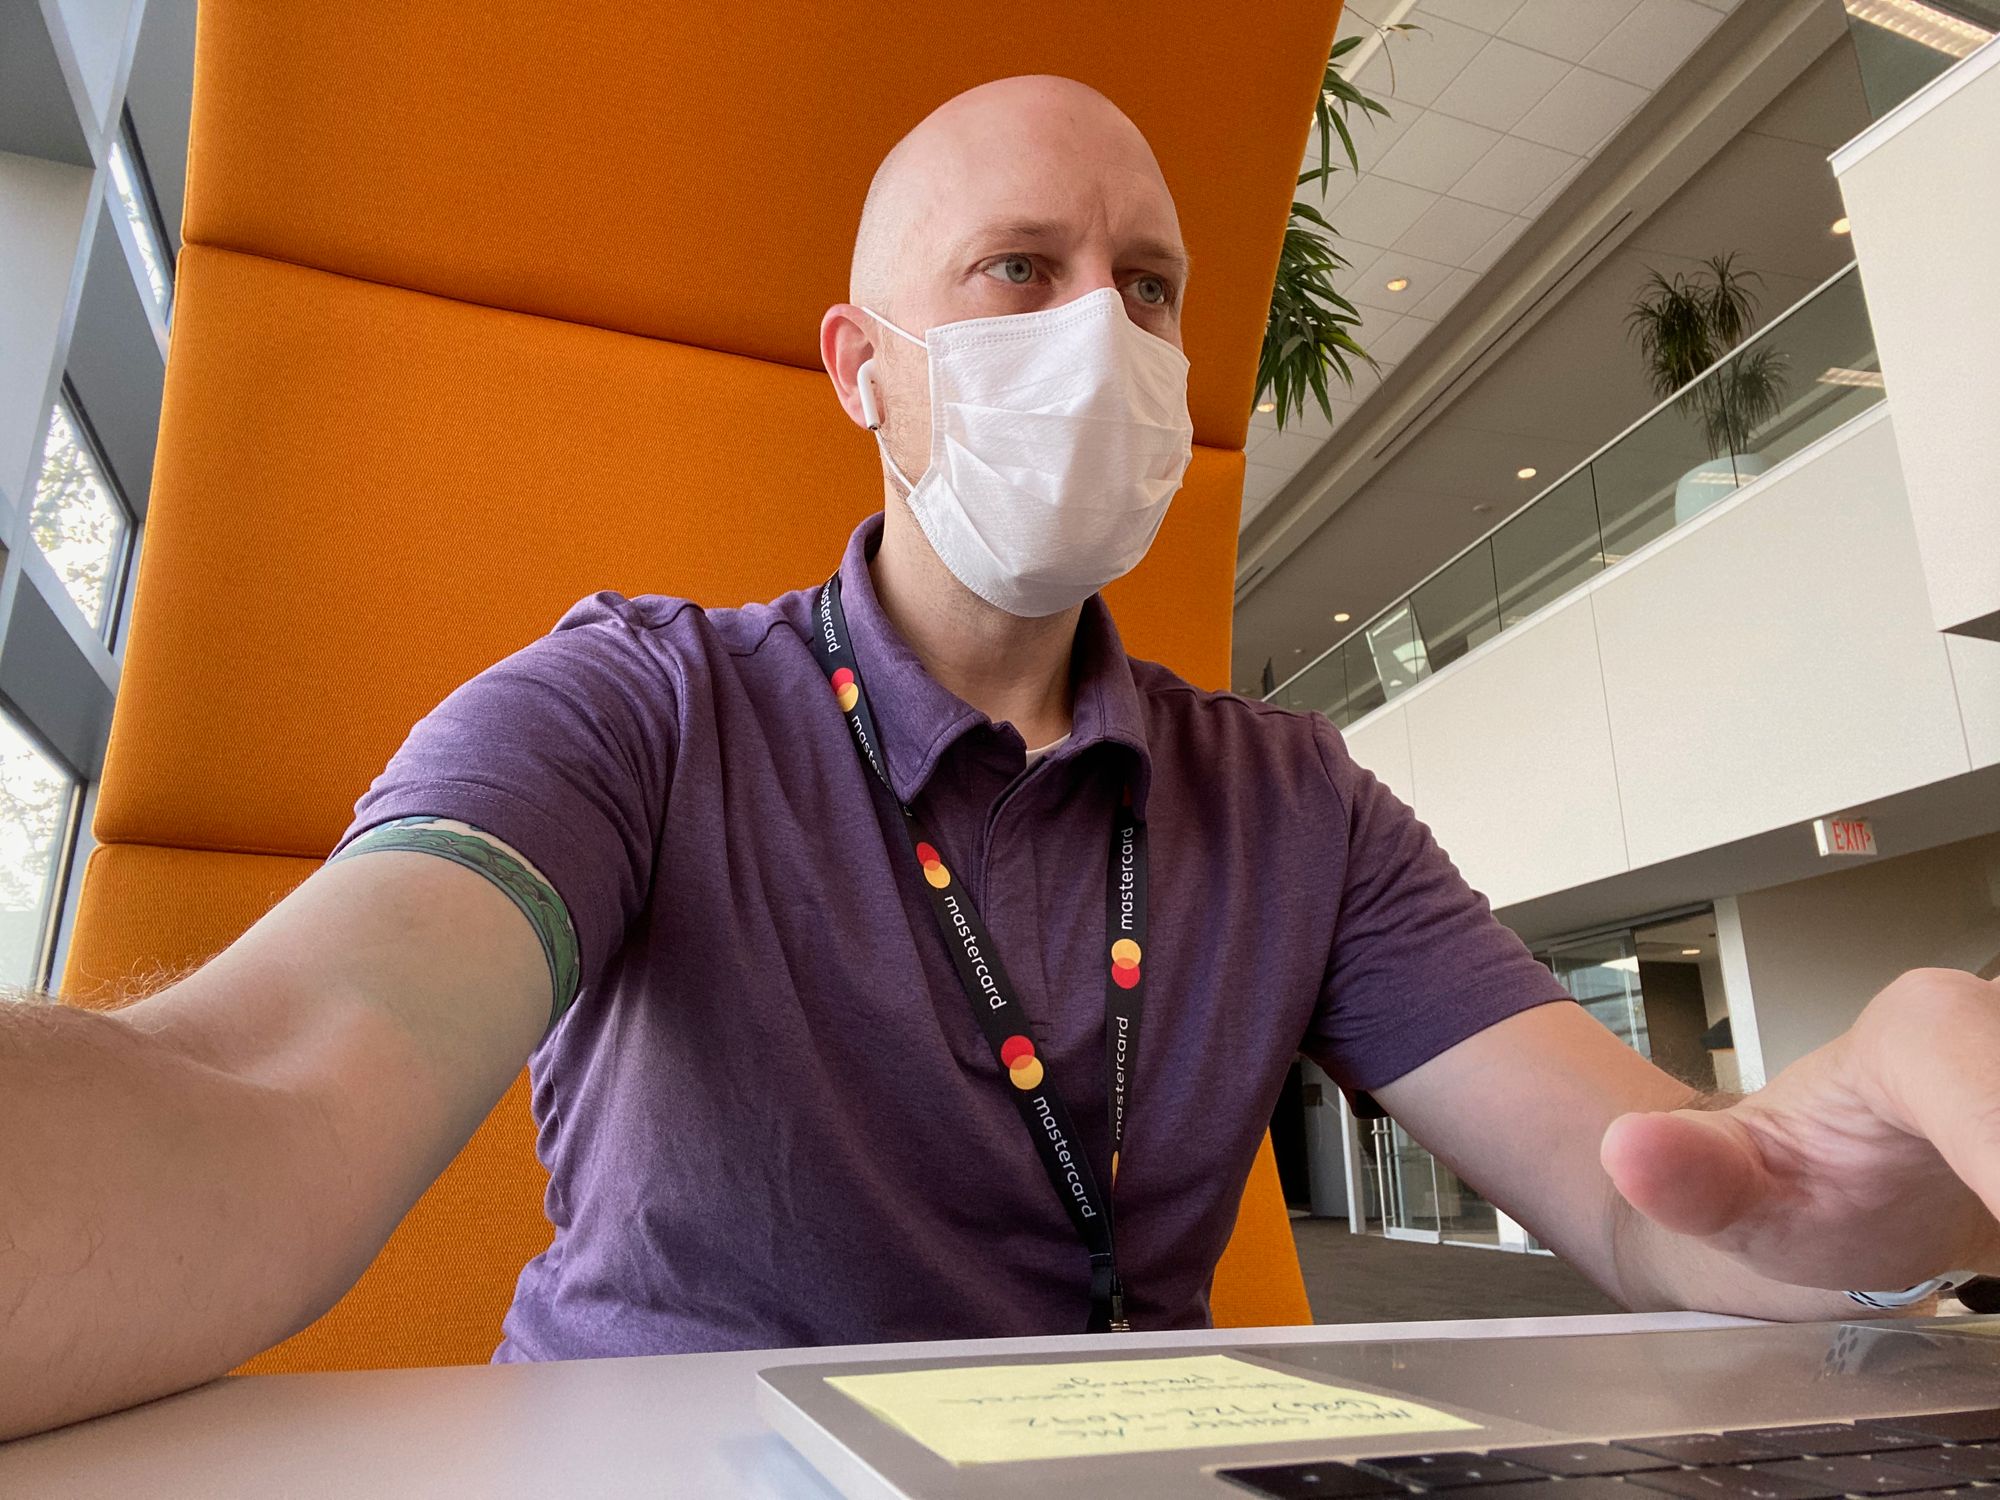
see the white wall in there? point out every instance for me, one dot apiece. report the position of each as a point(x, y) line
point(1818, 950)
point(1918, 185)
point(1770, 662)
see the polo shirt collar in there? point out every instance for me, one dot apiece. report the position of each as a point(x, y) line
point(918, 719)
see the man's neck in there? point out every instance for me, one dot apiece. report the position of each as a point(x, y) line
point(1014, 670)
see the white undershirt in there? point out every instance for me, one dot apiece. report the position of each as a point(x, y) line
point(1035, 755)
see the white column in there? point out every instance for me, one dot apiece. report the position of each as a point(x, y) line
point(1735, 959)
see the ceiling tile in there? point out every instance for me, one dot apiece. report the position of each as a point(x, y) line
point(1443, 296)
point(1394, 346)
point(1501, 84)
point(1370, 287)
point(1360, 257)
point(1378, 210)
point(1451, 231)
point(1480, 15)
point(1656, 38)
point(1415, 66)
point(1489, 252)
point(1565, 28)
point(1511, 175)
point(1437, 150)
point(1290, 450)
point(1580, 111)
point(1540, 202)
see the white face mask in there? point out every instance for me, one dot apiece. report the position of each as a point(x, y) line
point(1058, 438)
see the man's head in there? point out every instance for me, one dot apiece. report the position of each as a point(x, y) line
point(1018, 195)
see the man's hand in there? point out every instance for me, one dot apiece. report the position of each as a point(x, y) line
point(1872, 1163)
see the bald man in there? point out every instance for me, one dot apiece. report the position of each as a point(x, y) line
point(869, 946)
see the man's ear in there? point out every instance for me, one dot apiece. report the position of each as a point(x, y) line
point(846, 343)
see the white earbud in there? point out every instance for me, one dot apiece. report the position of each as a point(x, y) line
point(864, 380)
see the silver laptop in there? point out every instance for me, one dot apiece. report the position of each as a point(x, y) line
point(1785, 1412)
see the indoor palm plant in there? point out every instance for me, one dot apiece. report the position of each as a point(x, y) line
point(1684, 324)
point(1309, 330)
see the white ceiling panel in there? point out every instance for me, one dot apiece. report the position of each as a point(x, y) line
point(1565, 28)
point(1436, 151)
point(1480, 15)
point(1378, 212)
point(1442, 296)
point(1656, 38)
point(1394, 346)
point(1513, 174)
point(1452, 231)
point(1501, 84)
point(1580, 111)
point(1483, 258)
point(1419, 72)
point(1371, 282)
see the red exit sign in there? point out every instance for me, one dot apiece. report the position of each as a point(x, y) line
point(1844, 836)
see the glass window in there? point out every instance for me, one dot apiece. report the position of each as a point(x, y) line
point(78, 521)
point(35, 799)
point(136, 200)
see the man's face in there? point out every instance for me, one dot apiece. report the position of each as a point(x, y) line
point(1020, 198)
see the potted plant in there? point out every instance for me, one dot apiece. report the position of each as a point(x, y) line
point(1684, 325)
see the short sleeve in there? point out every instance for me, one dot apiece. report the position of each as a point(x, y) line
point(563, 751)
point(1419, 961)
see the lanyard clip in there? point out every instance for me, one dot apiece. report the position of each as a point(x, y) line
point(1119, 1322)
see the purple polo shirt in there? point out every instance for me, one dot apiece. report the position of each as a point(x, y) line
point(769, 1117)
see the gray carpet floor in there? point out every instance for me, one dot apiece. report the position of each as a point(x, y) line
point(1363, 1278)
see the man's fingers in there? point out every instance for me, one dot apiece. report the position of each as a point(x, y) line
point(1689, 1171)
point(1940, 1032)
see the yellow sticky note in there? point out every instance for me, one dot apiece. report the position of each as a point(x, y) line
point(996, 1413)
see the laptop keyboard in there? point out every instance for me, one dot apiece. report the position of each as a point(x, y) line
point(1940, 1453)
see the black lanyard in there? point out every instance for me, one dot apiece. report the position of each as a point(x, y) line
point(996, 1005)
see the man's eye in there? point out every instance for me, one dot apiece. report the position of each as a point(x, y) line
point(1150, 290)
point(1018, 270)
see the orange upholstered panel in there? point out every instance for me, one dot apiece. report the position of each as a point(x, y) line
point(365, 495)
point(1257, 1282)
point(695, 172)
point(437, 1292)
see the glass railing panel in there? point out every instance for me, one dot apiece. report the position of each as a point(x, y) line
point(1397, 650)
point(1459, 608)
point(1547, 550)
point(1668, 469)
point(1828, 371)
point(1365, 692)
point(1321, 688)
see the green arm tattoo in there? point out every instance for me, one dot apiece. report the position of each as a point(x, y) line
point(537, 900)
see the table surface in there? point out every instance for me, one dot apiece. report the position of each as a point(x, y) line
point(669, 1425)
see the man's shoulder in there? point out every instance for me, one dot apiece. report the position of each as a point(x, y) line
point(1221, 726)
point(680, 629)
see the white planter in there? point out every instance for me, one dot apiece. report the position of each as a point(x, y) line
point(1707, 483)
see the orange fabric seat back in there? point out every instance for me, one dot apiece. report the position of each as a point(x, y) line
point(490, 304)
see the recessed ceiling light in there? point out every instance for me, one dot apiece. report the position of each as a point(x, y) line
point(1924, 24)
point(1399, 284)
point(1297, 649)
point(1527, 473)
point(1342, 618)
point(1840, 225)
point(1267, 406)
point(1480, 510)
point(1690, 952)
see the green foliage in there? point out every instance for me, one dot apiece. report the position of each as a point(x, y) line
point(1308, 330)
point(1683, 326)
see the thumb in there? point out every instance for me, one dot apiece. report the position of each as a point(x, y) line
point(1694, 1172)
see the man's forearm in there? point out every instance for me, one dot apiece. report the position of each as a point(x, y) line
point(134, 1258)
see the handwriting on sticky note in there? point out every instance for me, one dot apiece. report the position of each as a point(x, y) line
point(997, 1413)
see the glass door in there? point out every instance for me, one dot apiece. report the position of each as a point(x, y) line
point(1409, 1185)
point(1603, 974)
